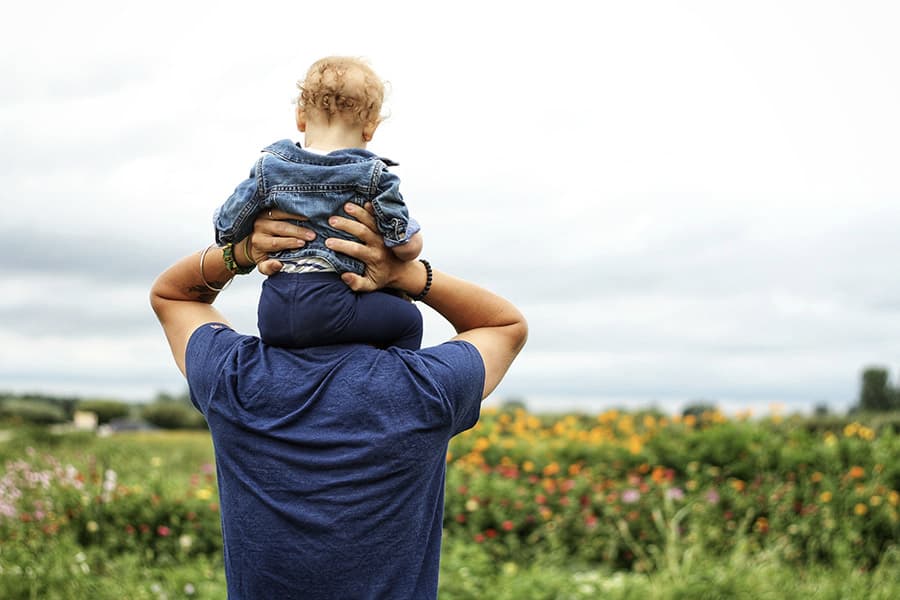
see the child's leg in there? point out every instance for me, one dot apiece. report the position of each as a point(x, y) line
point(317, 309)
point(386, 320)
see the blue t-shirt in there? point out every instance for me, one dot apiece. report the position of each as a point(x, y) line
point(331, 461)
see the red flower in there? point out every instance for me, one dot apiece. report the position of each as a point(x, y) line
point(479, 538)
point(508, 525)
point(491, 533)
point(460, 518)
point(163, 531)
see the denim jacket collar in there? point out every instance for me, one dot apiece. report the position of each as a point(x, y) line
point(292, 152)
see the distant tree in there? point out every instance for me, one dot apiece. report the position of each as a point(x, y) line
point(875, 393)
point(106, 410)
point(696, 408)
point(821, 409)
point(513, 404)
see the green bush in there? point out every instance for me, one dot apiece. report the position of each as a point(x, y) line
point(32, 411)
point(173, 415)
point(106, 410)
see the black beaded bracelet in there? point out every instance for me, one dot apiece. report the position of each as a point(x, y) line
point(428, 276)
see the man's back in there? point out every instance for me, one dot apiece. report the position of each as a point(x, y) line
point(331, 461)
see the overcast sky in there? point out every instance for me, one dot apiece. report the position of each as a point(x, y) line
point(688, 200)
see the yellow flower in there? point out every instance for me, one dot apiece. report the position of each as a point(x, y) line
point(875, 500)
point(634, 444)
point(851, 429)
point(528, 466)
point(816, 477)
point(860, 509)
point(894, 498)
point(825, 497)
point(204, 493)
point(92, 526)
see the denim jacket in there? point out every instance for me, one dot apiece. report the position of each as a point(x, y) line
point(317, 186)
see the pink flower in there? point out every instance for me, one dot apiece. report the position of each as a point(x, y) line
point(675, 493)
point(163, 531)
point(630, 496)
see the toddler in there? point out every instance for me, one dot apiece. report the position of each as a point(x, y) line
point(307, 303)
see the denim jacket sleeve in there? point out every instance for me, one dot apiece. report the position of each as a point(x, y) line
point(233, 221)
point(391, 213)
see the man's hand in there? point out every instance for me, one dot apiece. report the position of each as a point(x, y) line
point(272, 233)
point(382, 267)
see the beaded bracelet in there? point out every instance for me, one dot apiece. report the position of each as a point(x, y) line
point(231, 263)
point(428, 277)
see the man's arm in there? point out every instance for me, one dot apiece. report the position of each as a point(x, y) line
point(182, 300)
point(492, 324)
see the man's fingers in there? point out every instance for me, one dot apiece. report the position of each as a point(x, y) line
point(269, 267)
point(278, 214)
point(358, 283)
point(354, 249)
point(365, 215)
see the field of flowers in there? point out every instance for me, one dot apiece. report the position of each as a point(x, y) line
point(537, 506)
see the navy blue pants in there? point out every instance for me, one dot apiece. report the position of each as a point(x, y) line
point(298, 310)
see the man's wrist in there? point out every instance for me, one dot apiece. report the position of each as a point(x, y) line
point(428, 278)
point(230, 255)
point(412, 278)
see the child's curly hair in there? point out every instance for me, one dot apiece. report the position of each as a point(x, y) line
point(342, 86)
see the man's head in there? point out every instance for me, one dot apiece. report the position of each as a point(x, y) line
point(340, 91)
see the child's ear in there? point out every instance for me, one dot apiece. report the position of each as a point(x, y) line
point(369, 130)
point(301, 120)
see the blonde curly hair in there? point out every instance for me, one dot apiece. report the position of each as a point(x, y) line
point(343, 87)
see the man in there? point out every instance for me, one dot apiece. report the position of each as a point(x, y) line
point(331, 460)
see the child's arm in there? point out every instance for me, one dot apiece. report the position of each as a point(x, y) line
point(392, 216)
point(411, 249)
point(233, 220)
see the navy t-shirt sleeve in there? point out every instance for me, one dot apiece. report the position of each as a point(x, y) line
point(458, 370)
point(206, 349)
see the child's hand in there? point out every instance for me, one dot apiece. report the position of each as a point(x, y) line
point(411, 249)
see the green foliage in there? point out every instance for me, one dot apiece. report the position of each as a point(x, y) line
point(876, 393)
point(106, 410)
point(614, 505)
point(169, 414)
point(32, 411)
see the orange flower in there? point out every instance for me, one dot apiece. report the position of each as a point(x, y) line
point(860, 509)
point(825, 497)
point(816, 477)
point(856, 472)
